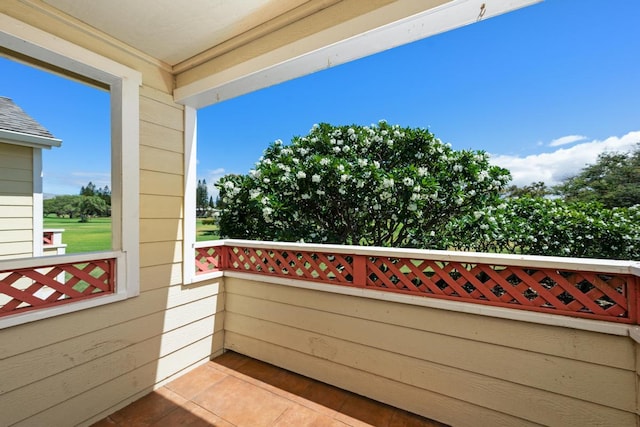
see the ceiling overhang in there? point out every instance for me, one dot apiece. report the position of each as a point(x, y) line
point(356, 38)
point(219, 49)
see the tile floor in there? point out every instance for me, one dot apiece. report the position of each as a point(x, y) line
point(235, 390)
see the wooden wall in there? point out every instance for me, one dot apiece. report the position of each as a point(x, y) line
point(80, 367)
point(461, 369)
point(16, 201)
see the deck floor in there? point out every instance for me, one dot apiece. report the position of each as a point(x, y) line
point(235, 390)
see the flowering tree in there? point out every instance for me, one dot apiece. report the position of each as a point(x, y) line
point(377, 185)
point(539, 226)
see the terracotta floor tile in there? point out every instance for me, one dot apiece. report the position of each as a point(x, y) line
point(196, 381)
point(407, 419)
point(235, 390)
point(150, 408)
point(299, 416)
point(292, 383)
point(279, 378)
point(242, 403)
point(230, 360)
point(105, 422)
point(191, 415)
point(360, 411)
point(328, 398)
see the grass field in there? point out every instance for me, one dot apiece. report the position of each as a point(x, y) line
point(206, 232)
point(95, 235)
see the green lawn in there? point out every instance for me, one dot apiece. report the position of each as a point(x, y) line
point(206, 232)
point(95, 235)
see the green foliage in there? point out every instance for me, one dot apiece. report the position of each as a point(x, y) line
point(539, 226)
point(535, 189)
point(76, 206)
point(62, 206)
point(372, 185)
point(614, 181)
point(202, 198)
point(89, 206)
point(92, 190)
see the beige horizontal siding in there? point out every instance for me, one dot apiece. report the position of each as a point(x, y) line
point(564, 342)
point(17, 255)
point(13, 248)
point(16, 223)
point(161, 276)
point(160, 160)
point(16, 188)
point(412, 348)
point(56, 389)
point(77, 350)
point(413, 399)
point(162, 137)
point(7, 236)
point(160, 230)
point(144, 378)
point(35, 335)
point(81, 354)
point(160, 184)
point(162, 114)
point(12, 211)
point(155, 207)
point(13, 174)
point(19, 200)
point(15, 157)
point(158, 253)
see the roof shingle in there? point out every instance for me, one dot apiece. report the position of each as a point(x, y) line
point(14, 119)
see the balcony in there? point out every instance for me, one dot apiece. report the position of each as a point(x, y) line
point(234, 389)
point(461, 338)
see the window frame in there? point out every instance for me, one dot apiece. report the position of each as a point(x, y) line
point(123, 84)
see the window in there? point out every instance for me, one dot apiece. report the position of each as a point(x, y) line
point(120, 264)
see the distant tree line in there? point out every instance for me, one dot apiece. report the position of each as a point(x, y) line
point(92, 201)
point(204, 202)
point(613, 181)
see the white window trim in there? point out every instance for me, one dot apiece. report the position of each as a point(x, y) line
point(37, 202)
point(124, 84)
point(190, 166)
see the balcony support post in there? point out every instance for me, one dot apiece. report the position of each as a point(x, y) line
point(360, 271)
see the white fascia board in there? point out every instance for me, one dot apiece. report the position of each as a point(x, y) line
point(253, 75)
point(25, 139)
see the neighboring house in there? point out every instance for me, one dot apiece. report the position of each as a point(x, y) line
point(22, 140)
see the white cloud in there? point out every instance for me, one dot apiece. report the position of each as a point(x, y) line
point(212, 176)
point(566, 140)
point(553, 167)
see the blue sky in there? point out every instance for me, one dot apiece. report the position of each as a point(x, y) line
point(543, 89)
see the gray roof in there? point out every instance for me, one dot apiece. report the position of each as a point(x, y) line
point(14, 119)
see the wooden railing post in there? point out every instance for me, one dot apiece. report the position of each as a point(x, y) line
point(224, 257)
point(360, 270)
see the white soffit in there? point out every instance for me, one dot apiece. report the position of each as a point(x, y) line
point(174, 30)
point(280, 65)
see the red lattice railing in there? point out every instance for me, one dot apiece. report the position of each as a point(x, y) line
point(555, 290)
point(31, 288)
point(47, 237)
